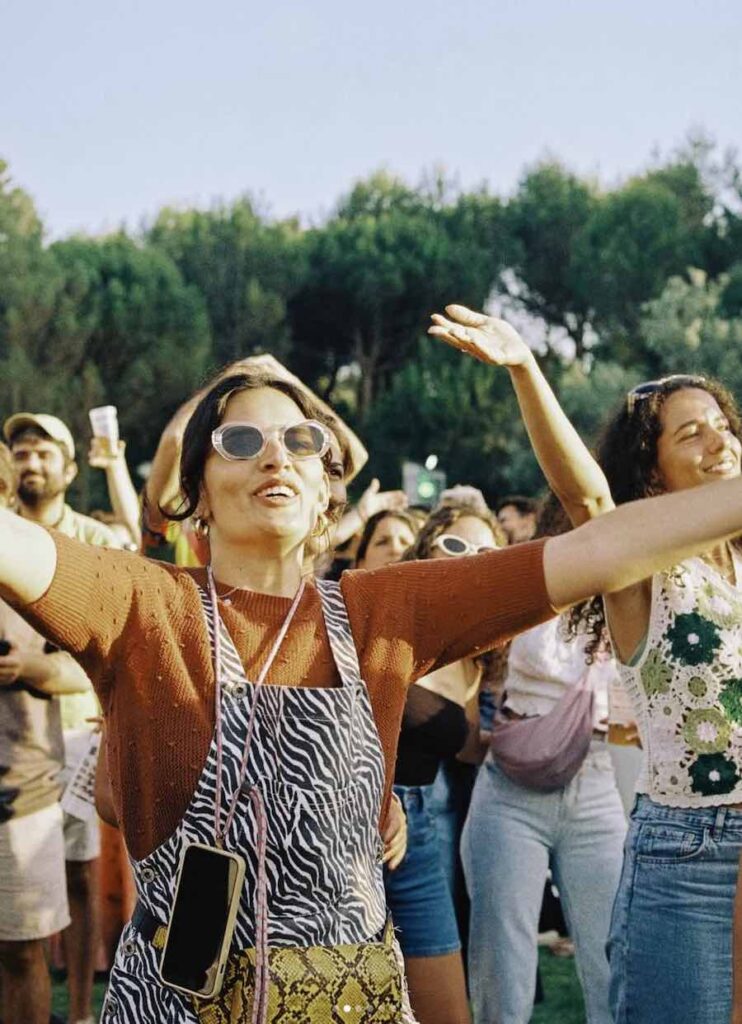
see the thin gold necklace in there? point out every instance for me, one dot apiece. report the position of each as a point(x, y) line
point(727, 570)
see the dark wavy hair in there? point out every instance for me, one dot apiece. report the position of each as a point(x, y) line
point(208, 415)
point(627, 454)
point(440, 520)
point(373, 521)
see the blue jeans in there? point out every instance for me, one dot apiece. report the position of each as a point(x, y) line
point(417, 893)
point(511, 838)
point(670, 946)
point(451, 796)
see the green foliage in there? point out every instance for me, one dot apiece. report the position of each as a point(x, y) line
point(635, 239)
point(245, 269)
point(546, 217)
point(386, 259)
point(601, 276)
point(687, 331)
point(461, 411)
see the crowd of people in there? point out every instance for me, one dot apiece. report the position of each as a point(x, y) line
point(396, 721)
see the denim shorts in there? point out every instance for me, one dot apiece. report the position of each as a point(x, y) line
point(418, 893)
point(670, 945)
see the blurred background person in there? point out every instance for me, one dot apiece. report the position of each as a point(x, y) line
point(517, 515)
point(43, 453)
point(439, 722)
point(33, 886)
point(515, 834)
point(385, 538)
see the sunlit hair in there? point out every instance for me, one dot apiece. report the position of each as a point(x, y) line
point(627, 454)
point(370, 529)
point(208, 415)
point(442, 519)
point(8, 476)
point(627, 450)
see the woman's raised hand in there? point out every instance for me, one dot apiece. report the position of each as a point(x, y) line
point(486, 338)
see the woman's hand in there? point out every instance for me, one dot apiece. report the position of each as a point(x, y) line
point(395, 835)
point(486, 338)
point(100, 455)
point(373, 500)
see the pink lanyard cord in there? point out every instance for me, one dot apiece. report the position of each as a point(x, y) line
point(262, 976)
point(220, 833)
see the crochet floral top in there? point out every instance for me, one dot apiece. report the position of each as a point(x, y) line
point(686, 687)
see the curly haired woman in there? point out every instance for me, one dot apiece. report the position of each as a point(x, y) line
point(678, 638)
point(435, 727)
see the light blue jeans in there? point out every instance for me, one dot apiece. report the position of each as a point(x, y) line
point(511, 838)
point(670, 946)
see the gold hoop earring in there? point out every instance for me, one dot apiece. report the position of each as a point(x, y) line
point(320, 526)
point(201, 527)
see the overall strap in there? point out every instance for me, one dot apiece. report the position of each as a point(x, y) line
point(339, 634)
point(233, 672)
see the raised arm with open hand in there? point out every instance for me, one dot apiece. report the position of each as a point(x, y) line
point(572, 472)
point(487, 338)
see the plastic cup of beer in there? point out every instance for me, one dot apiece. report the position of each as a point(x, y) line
point(104, 422)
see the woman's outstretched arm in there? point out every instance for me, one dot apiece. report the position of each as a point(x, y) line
point(28, 559)
point(572, 472)
point(421, 615)
point(639, 539)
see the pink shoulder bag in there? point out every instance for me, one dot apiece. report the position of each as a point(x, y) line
point(545, 752)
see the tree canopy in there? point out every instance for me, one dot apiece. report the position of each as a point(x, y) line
point(612, 284)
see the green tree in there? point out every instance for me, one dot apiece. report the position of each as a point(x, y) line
point(245, 268)
point(635, 239)
point(27, 275)
point(688, 330)
point(387, 258)
point(121, 327)
point(465, 413)
point(545, 217)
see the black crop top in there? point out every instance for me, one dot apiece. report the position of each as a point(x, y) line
point(433, 728)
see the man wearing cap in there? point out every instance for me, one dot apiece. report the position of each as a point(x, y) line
point(33, 891)
point(44, 456)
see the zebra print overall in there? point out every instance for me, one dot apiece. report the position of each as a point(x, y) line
point(316, 757)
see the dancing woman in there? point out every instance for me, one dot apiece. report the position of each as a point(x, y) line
point(301, 802)
point(420, 893)
point(678, 638)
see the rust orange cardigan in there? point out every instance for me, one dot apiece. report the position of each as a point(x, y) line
point(137, 627)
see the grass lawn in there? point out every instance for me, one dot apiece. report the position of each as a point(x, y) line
point(563, 997)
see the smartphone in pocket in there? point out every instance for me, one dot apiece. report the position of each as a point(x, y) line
point(207, 897)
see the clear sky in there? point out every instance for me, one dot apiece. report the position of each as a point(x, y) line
point(110, 110)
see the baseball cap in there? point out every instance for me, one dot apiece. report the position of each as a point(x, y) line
point(49, 425)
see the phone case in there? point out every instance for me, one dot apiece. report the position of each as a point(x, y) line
point(216, 972)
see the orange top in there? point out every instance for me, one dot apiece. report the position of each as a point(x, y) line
point(137, 627)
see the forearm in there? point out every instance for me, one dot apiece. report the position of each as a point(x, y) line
point(429, 613)
point(351, 523)
point(571, 470)
point(639, 539)
point(124, 498)
point(163, 484)
point(56, 674)
point(28, 559)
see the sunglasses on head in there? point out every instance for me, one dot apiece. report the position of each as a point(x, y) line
point(236, 441)
point(652, 387)
point(458, 546)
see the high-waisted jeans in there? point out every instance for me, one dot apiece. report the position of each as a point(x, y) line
point(417, 893)
point(511, 838)
point(670, 945)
